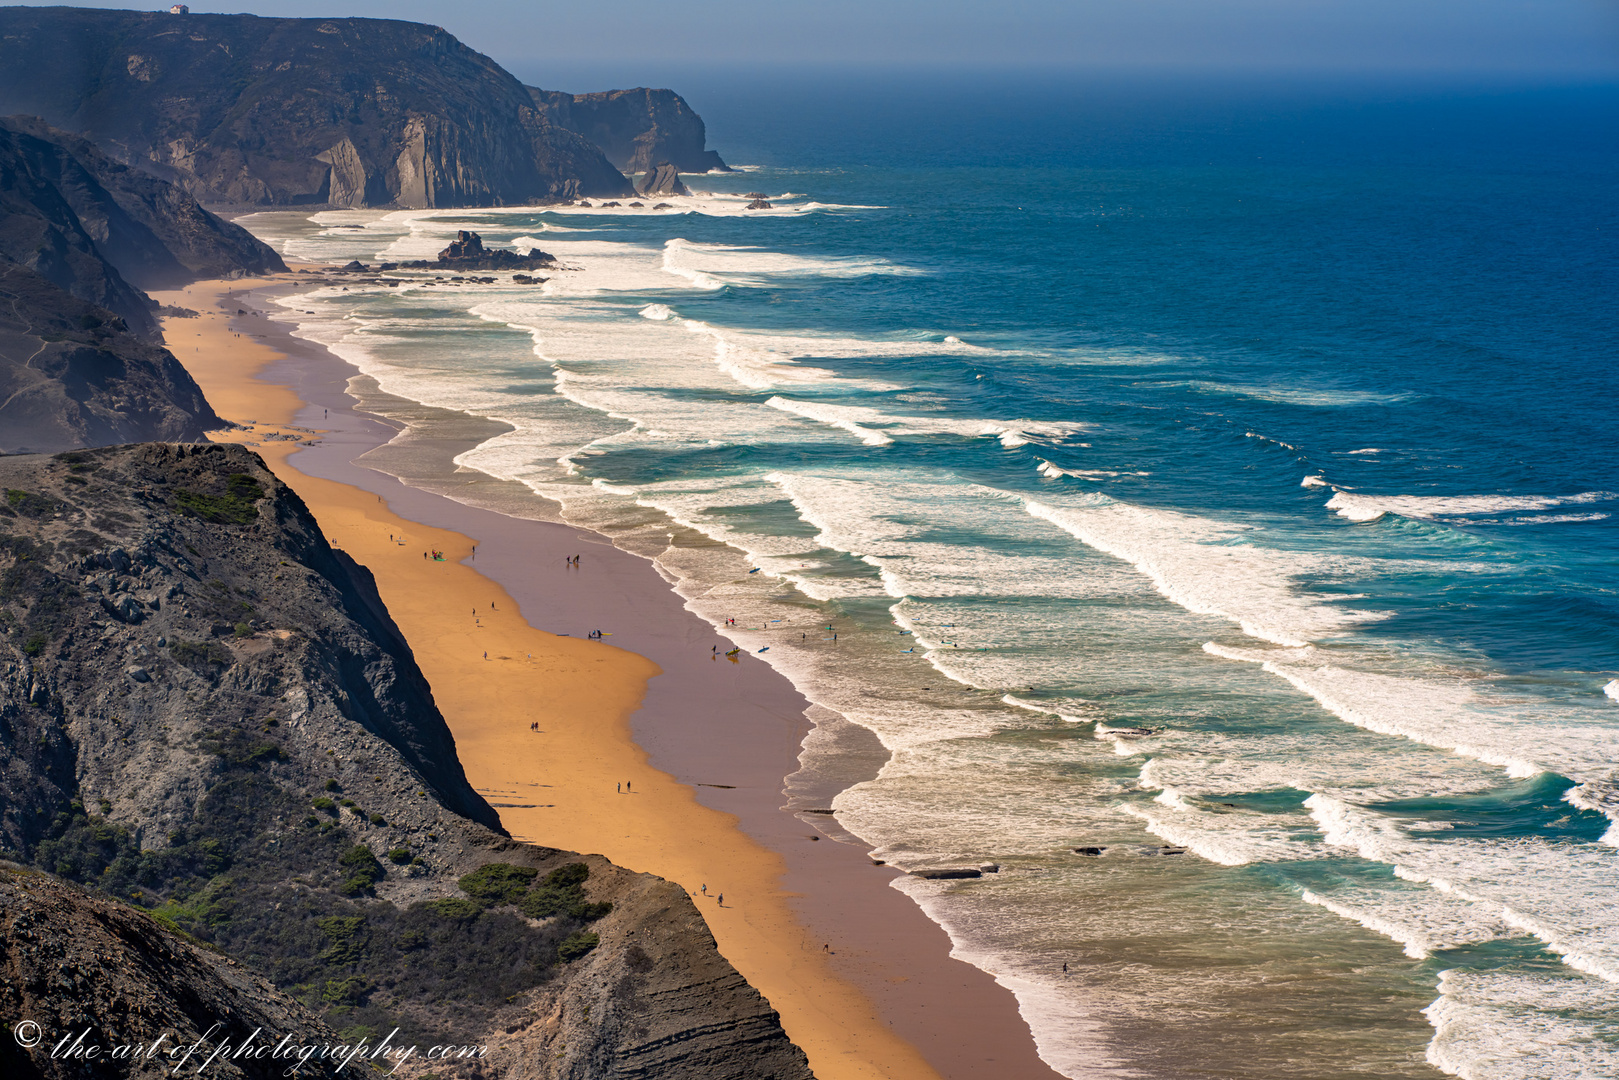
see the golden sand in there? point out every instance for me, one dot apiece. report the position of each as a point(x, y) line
point(493, 675)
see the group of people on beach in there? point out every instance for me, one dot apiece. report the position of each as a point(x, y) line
point(436, 556)
point(571, 560)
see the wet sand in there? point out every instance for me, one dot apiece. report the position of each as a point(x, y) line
point(861, 977)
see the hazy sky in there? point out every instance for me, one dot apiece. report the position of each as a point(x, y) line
point(1509, 37)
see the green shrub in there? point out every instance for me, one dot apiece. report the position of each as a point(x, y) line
point(243, 630)
point(562, 893)
point(400, 855)
point(574, 946)
point(235, 507)
point(325, 804)
point(378, 819)
point(572, 874)
point(364, 870)
point(348, 938)
point(349, 991)
point(333, 785)
point(455, 908)
point(28, 504)
point(497, 883)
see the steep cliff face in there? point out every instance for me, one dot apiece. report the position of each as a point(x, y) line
point(243, 110)
point(40, 230)
point(206, 713)
point(103, 231)
point(72, 376)
point(157, 235)
point(637, 129)
point(72, 962)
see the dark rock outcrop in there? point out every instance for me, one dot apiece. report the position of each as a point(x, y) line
point(758, 204)
point(249, 111)
point(71, 375)
point(636, 129)
point(39, 229)
point(73, 962)
point(103, 231)
point(157, 235)
point(466, 252)
point(207, 713)
point(662, 179)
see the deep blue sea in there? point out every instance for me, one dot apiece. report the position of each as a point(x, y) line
point(1221, 478)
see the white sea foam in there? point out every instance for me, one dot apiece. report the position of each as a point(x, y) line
point(1313, 481)
point(877, 428)
point(1361, 507)
point(1294, 395)
point(1611, 689)
point(1209, 567)
point(1471, 717)
point(1491, 1025)
point(1547, 889)
point(1421, 921)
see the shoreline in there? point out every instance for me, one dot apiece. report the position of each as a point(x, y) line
point(706, 753)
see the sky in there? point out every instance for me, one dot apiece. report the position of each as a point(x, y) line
point(1512, 39)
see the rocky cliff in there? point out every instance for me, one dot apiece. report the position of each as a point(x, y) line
point(249, 111)
point(206, 714)
point(72, 962)
point(637, 129)
point(103, 231)
point(71, 375)
point(157, 235)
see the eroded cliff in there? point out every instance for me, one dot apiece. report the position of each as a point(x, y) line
point(206, 713)
point(637, 129)
point(249, 111)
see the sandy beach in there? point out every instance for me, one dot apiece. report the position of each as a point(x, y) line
point(647, 746)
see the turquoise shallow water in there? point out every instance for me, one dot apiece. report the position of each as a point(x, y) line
point(1224, 479)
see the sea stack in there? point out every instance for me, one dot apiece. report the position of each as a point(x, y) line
point(663, 179)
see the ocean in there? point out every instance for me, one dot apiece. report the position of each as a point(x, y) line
point(1206, 492)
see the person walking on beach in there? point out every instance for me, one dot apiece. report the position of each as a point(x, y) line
point(722, 899)
point(705, 890)
point(621, 787)
point(626, 785)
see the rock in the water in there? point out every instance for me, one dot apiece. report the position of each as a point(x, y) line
point(950, 874)
point(356, 264)
point(466, 252)
point(756, 195)
point(663, 206)
point(466, 245)
point(662, 180)
point(1094, 850)
point(757, 204)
